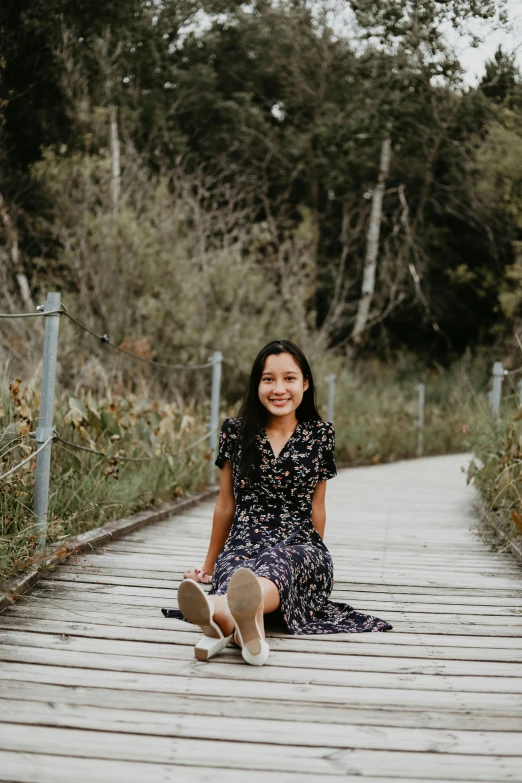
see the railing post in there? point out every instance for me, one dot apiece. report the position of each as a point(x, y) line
point(45, 421)
point(496, 390)
point(216, 359)
point(420, 420)
point(331, 395)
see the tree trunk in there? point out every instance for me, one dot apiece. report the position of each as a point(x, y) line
point(372, 242)
point(12, 240)
point(115, 155)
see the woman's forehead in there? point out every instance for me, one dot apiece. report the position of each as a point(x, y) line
point(280, 362)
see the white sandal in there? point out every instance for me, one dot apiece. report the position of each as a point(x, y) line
point(196, 607)
point(244, 598)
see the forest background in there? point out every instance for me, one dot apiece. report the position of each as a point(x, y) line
point(199, 175)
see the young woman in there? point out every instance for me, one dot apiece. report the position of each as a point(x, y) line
point(266, 553)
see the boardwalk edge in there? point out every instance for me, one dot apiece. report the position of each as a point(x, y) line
point(58, 552)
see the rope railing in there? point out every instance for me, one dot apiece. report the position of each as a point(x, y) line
point(104, 339)
point(30, 315)
point(26, 460)
point(52, 311)
point(123, 458)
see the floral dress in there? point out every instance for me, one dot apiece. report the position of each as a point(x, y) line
point(272, 532)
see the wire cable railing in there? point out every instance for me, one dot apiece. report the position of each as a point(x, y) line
point(27, 459)
point(104, 339)
point(123, 458)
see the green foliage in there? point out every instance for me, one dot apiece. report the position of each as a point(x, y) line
point(289, 113)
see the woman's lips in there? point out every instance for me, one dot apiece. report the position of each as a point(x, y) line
point(279, 403)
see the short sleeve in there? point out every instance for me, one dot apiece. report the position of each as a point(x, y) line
point(227, 442)
point(327, 467)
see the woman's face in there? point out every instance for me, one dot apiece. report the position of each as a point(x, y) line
point(282, 385)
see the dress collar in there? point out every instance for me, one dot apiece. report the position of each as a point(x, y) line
point(266, 438)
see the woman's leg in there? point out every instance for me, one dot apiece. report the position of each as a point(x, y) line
point(221, 614)
point(271, 597)
point(271, 601)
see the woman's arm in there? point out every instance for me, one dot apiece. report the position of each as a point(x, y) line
point(319, 508)
point(222, 521)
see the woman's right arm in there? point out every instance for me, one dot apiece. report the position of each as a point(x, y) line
point(222, 521)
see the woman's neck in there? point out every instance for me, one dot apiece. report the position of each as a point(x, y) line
point(283, 425)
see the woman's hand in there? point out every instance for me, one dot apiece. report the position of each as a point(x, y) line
point(198, 574)
point(190, 573)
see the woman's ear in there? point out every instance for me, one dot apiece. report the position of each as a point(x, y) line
point(306, 384)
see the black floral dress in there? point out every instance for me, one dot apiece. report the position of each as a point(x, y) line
point(272, 532)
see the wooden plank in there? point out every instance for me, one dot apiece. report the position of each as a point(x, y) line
point(139, 617)
point(215, 754)
point(342, 570)
point(167, 590)
point(504, 703)
point(109, 577)
point(150, 599)
point(438, 647)
point(303, 659)
point(45, 768)
point(248, 707)
point(164, 633)
point(273, 730)
point(269, 673)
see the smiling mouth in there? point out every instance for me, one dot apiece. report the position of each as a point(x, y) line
point(278, 401)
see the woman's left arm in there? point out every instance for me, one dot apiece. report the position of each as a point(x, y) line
point(319, 508)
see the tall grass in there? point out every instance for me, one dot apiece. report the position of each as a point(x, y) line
point(497, 469)
point(86, 490)
point(376, 410)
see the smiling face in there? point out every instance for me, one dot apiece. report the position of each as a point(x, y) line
point(282, 385)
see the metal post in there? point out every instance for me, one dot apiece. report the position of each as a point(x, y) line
point(420, 420)
point(45, 421)
point(331, 395)
point(496, 390)
point(216, 359)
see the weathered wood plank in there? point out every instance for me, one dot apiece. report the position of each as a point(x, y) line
point(273, 730)
point(247, 708)
point(342, 695)
point(167, 590)
point(414, 646)
point(150, 599)
point(42, 768)
point(268, 674)
point(215, 754)
point(303, 659)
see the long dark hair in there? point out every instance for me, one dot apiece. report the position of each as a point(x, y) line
point(253, 413)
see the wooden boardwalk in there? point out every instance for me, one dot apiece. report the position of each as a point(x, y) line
point(97, 686)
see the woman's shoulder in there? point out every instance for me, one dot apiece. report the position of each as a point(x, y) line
point(322, 427)
point(232, 424)
point(325, 432)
